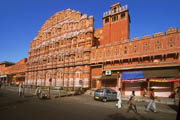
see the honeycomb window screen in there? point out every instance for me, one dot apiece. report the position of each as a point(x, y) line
point(171, 42)
point(146, 46)
point(158, 44)
point(135, 49)
point(108, 53)
point(125, 50)
point(116, 52)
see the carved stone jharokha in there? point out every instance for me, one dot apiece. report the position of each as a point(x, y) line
point(60, 53)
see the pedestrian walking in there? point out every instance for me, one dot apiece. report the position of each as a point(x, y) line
point(145, 92)
point(119, 98)
point(178, 113)
point(131, 103)
point(38, 91)
point(20, 90)
point(152, 101)
point(0, 84)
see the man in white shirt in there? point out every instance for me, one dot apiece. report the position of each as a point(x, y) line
point(119, 97)
point(20, 90)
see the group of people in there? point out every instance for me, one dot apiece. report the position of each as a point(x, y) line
point(132, 104)
point(21, 90)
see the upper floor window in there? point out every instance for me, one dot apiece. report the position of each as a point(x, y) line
point(57, 44)
point(87, 54)
point(116, 51)
point(106, 20)
point(61, 58)
point(108, 53)
point(47, 47)
point(94, 55)
point(51, 45)
point(100, 54)
point(49, 59)
point(114, 10)
point(171, 42)
point(125, 50)
point(158, 44)
point(135, 49)
point(114, 18)
point(146, 46)
point(123, 15)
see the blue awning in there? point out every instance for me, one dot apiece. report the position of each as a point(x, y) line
point(132, 75)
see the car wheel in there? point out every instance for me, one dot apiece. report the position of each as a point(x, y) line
point(104, 99)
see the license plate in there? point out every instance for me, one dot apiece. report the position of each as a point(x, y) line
point(97, 97)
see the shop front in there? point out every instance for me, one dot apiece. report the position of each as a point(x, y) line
point(3, 78)
point(162, 81)
point(133, 81)
point(110, 81)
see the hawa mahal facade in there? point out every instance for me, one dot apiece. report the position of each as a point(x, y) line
point(68, 51)
point(60, 54)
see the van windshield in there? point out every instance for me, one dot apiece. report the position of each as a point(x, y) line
point(111, 90)
point(99, 90)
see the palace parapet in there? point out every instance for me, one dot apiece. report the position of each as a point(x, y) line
point(147, 47)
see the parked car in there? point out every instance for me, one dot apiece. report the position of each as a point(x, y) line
point(105, 94)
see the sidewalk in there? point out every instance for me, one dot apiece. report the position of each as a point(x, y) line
point(31, 91)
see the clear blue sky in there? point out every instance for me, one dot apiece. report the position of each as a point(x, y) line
point(20, 20)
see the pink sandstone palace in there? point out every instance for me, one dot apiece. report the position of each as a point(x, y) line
point(69, 52)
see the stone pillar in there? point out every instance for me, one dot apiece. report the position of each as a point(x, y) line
point(66, 77)
point(71, 77)
point(59, 77)
point(44, 78)
point(26, 78)
point(38, 78)
point(53, 75)
point(86, 77)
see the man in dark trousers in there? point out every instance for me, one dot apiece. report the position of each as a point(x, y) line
point(178, 113)
point(152, 102)
point(0, 84)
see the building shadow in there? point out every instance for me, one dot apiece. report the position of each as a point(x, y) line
point(119, 116)
point(28, 96)
point(7, 105)
point(13, 103)
point(174, 107)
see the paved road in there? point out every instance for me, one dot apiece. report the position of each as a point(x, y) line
point(13, 107)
